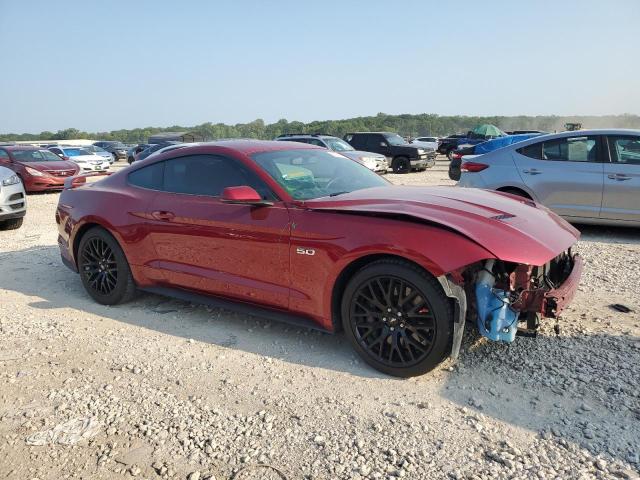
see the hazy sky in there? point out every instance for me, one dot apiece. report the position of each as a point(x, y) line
point(106, 65)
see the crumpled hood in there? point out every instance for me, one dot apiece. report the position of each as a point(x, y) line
point(513, 229)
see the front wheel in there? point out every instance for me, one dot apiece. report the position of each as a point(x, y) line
point(397, 318)
point(401, 165)
point(104, 269)
point(12, 224)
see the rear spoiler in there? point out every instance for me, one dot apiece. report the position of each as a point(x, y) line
point(79, 180)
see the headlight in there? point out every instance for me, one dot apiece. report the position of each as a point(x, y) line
point(12, 180)
point(34, 172)
point(421, 151)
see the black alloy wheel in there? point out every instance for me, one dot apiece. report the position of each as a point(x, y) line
point(397, 318)
point(104, 269)
point(99, 266)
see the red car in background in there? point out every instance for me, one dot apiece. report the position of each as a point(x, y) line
point(299, 233)
point(39, 169)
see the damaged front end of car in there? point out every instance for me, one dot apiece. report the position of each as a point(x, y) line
point(499, 296)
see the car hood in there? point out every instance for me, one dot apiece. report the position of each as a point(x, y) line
point(356, 154)
point(87, 158)
point(49, 166)
point(513, 229)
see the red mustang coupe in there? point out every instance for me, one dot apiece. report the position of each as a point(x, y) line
point(299, 233)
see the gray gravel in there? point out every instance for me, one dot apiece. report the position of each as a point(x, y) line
point(189, 392)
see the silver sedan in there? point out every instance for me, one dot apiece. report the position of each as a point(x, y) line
point(586, 176)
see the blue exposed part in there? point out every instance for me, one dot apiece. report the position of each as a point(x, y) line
point(501, 142)
point(496, 319)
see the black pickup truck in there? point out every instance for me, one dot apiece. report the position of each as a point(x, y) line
point(402, 156)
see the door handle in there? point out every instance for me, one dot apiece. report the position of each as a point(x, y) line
point(619, 176)
point(163, 215)
point(532, 171)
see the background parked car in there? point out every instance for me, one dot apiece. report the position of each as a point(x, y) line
point(38, 169)
point(429, 142)
point(587, 176)
point(402, 156)
point(463, 154)
point(86, 160)
point(154, 148)
point(13, 201)
point(373, 161)
point(118, 149)
point(134, 150)
point(94, 149)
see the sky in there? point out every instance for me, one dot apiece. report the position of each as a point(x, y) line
point(100, 66)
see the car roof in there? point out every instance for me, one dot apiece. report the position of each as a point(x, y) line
point(254, 146)
point(12, 148)
point(357, 133)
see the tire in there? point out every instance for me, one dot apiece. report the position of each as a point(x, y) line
point(414, 340)
point(104, 269)
point(11, 224)
point(401, 165)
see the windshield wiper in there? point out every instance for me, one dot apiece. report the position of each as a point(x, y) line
point(337, 193)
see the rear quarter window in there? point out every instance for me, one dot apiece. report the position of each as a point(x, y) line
point(150, 177)
point(532, 151)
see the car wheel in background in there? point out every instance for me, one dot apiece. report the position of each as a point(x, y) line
point(104, 269)
point(397, 318)
point(401, 165)
point(12, 224)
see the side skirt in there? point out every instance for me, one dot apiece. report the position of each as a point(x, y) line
point(239, 307)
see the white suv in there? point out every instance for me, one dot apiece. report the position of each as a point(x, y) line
point(13, 200)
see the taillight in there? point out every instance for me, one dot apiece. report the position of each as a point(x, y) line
point(473, 167)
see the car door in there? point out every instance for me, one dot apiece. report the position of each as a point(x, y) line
point(621, 197)
point(565, 174)
point(204, 244)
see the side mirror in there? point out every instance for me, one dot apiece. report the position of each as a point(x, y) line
point(243, 195)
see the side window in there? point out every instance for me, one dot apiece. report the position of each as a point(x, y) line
point(209, 175)
point(571, 149)
point(625, 150)
point(316, 142)
point(374, 141)
point(148, 177)
point(4, 156)
point(532, 151)
point(357, 141)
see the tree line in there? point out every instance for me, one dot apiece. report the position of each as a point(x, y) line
point(405, 124)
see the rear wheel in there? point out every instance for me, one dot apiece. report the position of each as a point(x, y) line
point(401, 165)
point(397, 318)
point(12, 224)
point(104, 269)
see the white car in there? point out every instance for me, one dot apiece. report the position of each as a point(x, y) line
point(13, 200)
point(86, 160)
point(429, 142)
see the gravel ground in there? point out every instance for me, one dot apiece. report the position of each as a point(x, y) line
point(166, 389)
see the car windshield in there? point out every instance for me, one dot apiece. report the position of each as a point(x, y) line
point(307, 174)
point(395, 139)
point(75, 152)
point(34, 156)
point(94, 149)
point(338, 145)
